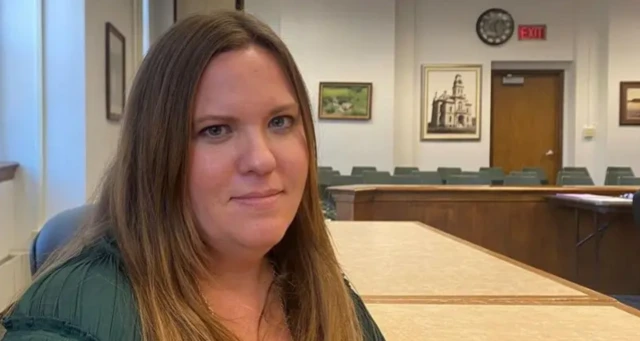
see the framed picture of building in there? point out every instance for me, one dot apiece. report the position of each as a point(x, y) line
point(345, 101)
point(629, 103)
point(451, 102)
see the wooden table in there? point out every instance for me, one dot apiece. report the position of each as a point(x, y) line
point(604, 210)
point(420, 283)
point(412, 262)
point(517, 222)
point(426, 322)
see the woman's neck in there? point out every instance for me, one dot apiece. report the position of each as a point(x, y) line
point(247, 300)
point(239, 275)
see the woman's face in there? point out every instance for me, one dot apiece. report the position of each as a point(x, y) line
point(249, 159)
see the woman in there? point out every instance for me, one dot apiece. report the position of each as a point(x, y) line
point(208, 224)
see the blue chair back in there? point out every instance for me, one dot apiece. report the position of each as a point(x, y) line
point(56, 232)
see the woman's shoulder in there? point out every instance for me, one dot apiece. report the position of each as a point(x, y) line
point(87, 298)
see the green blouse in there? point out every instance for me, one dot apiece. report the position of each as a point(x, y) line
point(89, 299)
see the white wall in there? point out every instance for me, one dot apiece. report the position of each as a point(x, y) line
point(52, 112)
point(65, 108)
point(79, 139)
point(387, 41)
point(595, 37)
point(336, 40)
point(189, 7)
point(446, 34)
point(160, 17)
point(52, 118)
point(101, 136)
point(269, 11)
point(623, 143)
point(21, 115)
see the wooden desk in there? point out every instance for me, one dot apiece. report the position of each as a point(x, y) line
point(412, 262)
point(516, 222)
point(418, 322)
point(604, 210)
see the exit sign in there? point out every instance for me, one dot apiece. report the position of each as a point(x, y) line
point(532, 32)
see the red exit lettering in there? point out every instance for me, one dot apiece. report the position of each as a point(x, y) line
point(532, 32)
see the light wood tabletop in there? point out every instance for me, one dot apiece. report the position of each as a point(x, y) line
point(411, 262)
point(419, 322)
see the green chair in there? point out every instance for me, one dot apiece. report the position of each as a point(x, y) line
point(495, 174)
point(429, 178)
point(484, 175)
point(574, 179)
point(325, 180)
point(325, 177)
point(446, 171)
point(493, 170)
point(582, 170)
point(612, 178)
point(614, 173)
point(619, 169)
point(467, 179)
point(405, 179)
point(358, 170)
point(522, 180)
point(526, 173)
point(572, 173)
point(404, 170)
point(343, 180)
point(629, 181)
point(540, 173)
point(379, 178)
point(324, 168)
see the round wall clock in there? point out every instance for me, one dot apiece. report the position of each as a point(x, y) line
point(495, 26)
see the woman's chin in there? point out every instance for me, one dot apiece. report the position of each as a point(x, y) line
point(262, 234)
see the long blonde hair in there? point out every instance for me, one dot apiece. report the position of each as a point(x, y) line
point(142, 201)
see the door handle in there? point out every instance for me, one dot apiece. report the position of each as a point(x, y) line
point(549, 152)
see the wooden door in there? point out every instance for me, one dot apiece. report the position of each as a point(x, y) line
point(526, 120)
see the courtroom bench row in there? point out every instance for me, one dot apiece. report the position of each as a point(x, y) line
point(528, 176)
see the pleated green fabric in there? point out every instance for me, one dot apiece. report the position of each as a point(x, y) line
point(88, 298)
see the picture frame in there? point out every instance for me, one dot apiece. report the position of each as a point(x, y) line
point(451, 102)
point(629, 103)
point(345, 101)
point(115, 72)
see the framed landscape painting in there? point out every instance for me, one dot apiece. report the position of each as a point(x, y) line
point(345, 101)
point(629, 103)
point(451, 102)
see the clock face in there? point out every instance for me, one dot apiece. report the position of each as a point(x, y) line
point(495, 26)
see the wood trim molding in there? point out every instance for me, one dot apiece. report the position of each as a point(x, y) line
point(7, 170)
point(490, 300)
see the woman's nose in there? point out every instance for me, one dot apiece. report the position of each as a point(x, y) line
point(257, 155)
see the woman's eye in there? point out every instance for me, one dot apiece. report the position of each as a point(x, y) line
point(281, 122)
point(216, 130)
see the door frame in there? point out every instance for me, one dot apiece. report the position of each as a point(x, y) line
point(559, 106)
